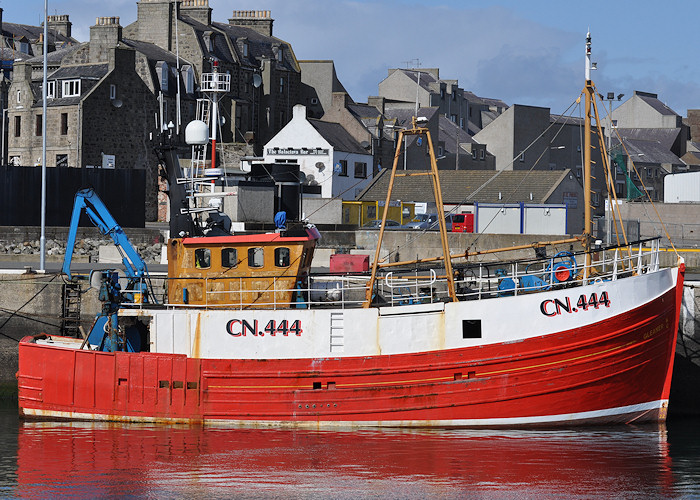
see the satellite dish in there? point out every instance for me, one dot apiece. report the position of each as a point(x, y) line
point(320, 166)
point(364, 144)
point(302, 178)
point(310, 180)
point(117, 103)
point(257, 80)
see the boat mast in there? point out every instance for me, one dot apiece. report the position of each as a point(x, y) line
point(589, 94)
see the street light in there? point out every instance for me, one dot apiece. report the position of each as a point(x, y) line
point(612, 178)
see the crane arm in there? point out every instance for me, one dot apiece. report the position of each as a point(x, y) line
point(99, 215)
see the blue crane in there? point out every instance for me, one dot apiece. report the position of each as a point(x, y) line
point(105, 330)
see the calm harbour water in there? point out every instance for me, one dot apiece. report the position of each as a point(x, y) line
point(86, 460)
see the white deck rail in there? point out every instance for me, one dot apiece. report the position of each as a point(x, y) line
point(474, 282)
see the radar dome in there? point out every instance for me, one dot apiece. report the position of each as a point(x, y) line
point(197, 132)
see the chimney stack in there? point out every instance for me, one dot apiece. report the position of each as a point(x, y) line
point(259, 20)
point(104, 37)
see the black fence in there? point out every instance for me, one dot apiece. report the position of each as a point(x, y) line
point(122, 191)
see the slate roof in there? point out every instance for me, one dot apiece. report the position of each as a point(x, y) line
point(404, 116)
point(468, 186)
point(56, 57)
point(337, 136)
point(664, 136)
point(425, 78)
point(32, 33)
point(153, 52)
point(7, 54)
point(259, 45)
point(221, 49)
point(449, 132)
point(657, 105)
point(91, 71)
point(570, 120)
point(648, 152)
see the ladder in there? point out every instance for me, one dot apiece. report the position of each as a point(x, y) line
point(199, 155)
point(70, 311)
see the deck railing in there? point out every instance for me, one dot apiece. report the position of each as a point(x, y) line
point(474, 281)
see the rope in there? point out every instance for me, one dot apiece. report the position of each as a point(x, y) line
point(14, 313)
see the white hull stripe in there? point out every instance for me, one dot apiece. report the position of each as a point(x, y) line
point(620, 414)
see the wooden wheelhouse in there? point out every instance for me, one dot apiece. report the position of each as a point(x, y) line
point(261, 270)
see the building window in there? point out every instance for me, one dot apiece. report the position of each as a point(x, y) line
point(360, 170)
point(61, 160)
point(189, 78)
point(579, 169)
point(38, 123)
point(343, 168)
point(439, 150)
point(64, 123)
point(245, 49)
point(163, 75)
point(51, 89)
point(595, 199)
point(461, 123)
point(71, 88)
point(281, 85)
point(482, 154)
point(18, 126)
point(229, 257)
point(280, 54)
point(112, 91)
point(453, 118)
point(256, 257)
point(19, 96)
point(522, 156)
point(442, 93)
point(650, 173)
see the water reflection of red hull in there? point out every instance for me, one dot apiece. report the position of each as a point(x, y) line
point(164, 461)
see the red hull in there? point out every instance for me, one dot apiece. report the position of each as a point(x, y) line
point(618, 370)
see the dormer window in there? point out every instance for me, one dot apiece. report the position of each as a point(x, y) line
point(280, 54)
point(50, 89)
point(71, 88)
point(209, 40)
point(188, 76)
point(162, 71)
point(245, 49)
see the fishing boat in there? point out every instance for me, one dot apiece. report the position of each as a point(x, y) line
point(250, 336)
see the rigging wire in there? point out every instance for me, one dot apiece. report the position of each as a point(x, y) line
point(14, 313)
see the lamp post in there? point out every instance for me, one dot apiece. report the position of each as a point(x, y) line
point(612, 177)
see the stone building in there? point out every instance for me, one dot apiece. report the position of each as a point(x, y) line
point(264, 73)
point(20, 42)
point(113, 99)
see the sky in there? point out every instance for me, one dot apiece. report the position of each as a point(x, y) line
point(520, 51)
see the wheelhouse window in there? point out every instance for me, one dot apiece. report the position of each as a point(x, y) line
point(282, 257)
point(202, 258)
point(256, 257)
point(229, 257)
